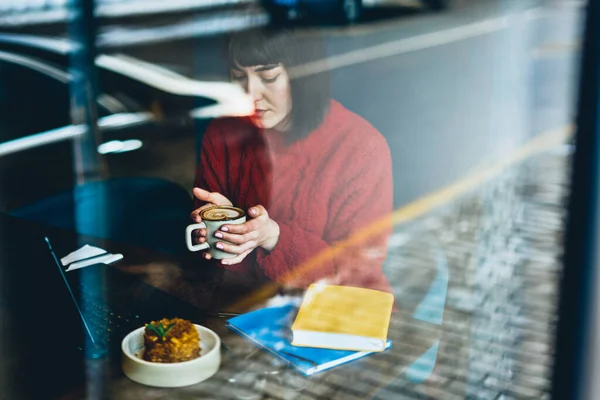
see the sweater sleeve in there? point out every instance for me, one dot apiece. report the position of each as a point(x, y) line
point(211, 175)
point(211, 169)
point(352, 250)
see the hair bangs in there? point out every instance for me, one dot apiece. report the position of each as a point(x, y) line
point(259, 49)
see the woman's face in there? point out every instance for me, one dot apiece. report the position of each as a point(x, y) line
point(269, 86)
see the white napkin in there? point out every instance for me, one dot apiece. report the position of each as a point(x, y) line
point(86, 251)
point(88, 255)
point(103, 259)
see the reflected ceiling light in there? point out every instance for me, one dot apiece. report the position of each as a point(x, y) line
point(121, 120)
point(119, 146)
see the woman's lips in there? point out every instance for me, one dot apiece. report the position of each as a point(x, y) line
point(259, 113)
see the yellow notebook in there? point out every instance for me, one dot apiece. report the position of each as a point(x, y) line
point(344, 318)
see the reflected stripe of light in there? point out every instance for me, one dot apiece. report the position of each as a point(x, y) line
point(145, 7)
point(35, 65)
point(58, 45)
point(232, 100)
point(212, 24)
point(72, 131)
point(41, 139)
point(119, 146)
point(60, 13)
point(231, 97)
point(34, 17)
point(161, 78)
point(110, 103)
point(120, 120)
point(400, 46)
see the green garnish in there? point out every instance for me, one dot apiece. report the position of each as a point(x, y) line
point(160, 329)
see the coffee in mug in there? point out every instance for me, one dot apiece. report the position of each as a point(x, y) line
point(221, 213)
point(212, 220)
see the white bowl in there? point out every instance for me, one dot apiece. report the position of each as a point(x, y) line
point(171, 374)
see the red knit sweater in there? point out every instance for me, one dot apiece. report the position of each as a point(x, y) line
point(320, 190)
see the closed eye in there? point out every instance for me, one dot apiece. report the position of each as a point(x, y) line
point(270, 80)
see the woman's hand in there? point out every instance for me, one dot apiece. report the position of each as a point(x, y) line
point(260, 231)
point(212, 199)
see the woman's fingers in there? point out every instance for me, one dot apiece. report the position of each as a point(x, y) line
point(199, 236)
point(198, 233)
point(237, 259)
point(236, 249)
point(241, 229)
point(199, 240)
point(211, 197)
point(258, 215)
point(237, 239)
point(257, 211)
point(195, 215)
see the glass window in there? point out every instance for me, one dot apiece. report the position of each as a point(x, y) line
point(247, 151)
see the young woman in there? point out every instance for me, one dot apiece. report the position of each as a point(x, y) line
point(314, 177)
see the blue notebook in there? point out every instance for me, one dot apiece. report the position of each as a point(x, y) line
point(269, 328)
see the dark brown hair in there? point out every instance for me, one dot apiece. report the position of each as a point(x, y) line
point(310, 94)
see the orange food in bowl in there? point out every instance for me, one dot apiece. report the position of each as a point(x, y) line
point(171, 341)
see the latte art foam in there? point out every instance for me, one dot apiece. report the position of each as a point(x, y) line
point(221, 214)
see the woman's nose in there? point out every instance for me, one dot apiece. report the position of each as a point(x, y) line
point(253, 89)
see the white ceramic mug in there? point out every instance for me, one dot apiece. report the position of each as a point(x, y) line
point(212, 220)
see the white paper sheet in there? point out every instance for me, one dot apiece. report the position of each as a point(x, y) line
point(101, 259)
point(86, 251)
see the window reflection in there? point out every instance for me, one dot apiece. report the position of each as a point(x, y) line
point(421, 148)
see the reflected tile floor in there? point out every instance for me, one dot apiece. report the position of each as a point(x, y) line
point(503, 244)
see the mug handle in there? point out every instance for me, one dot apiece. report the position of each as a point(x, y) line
point(188, 237)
